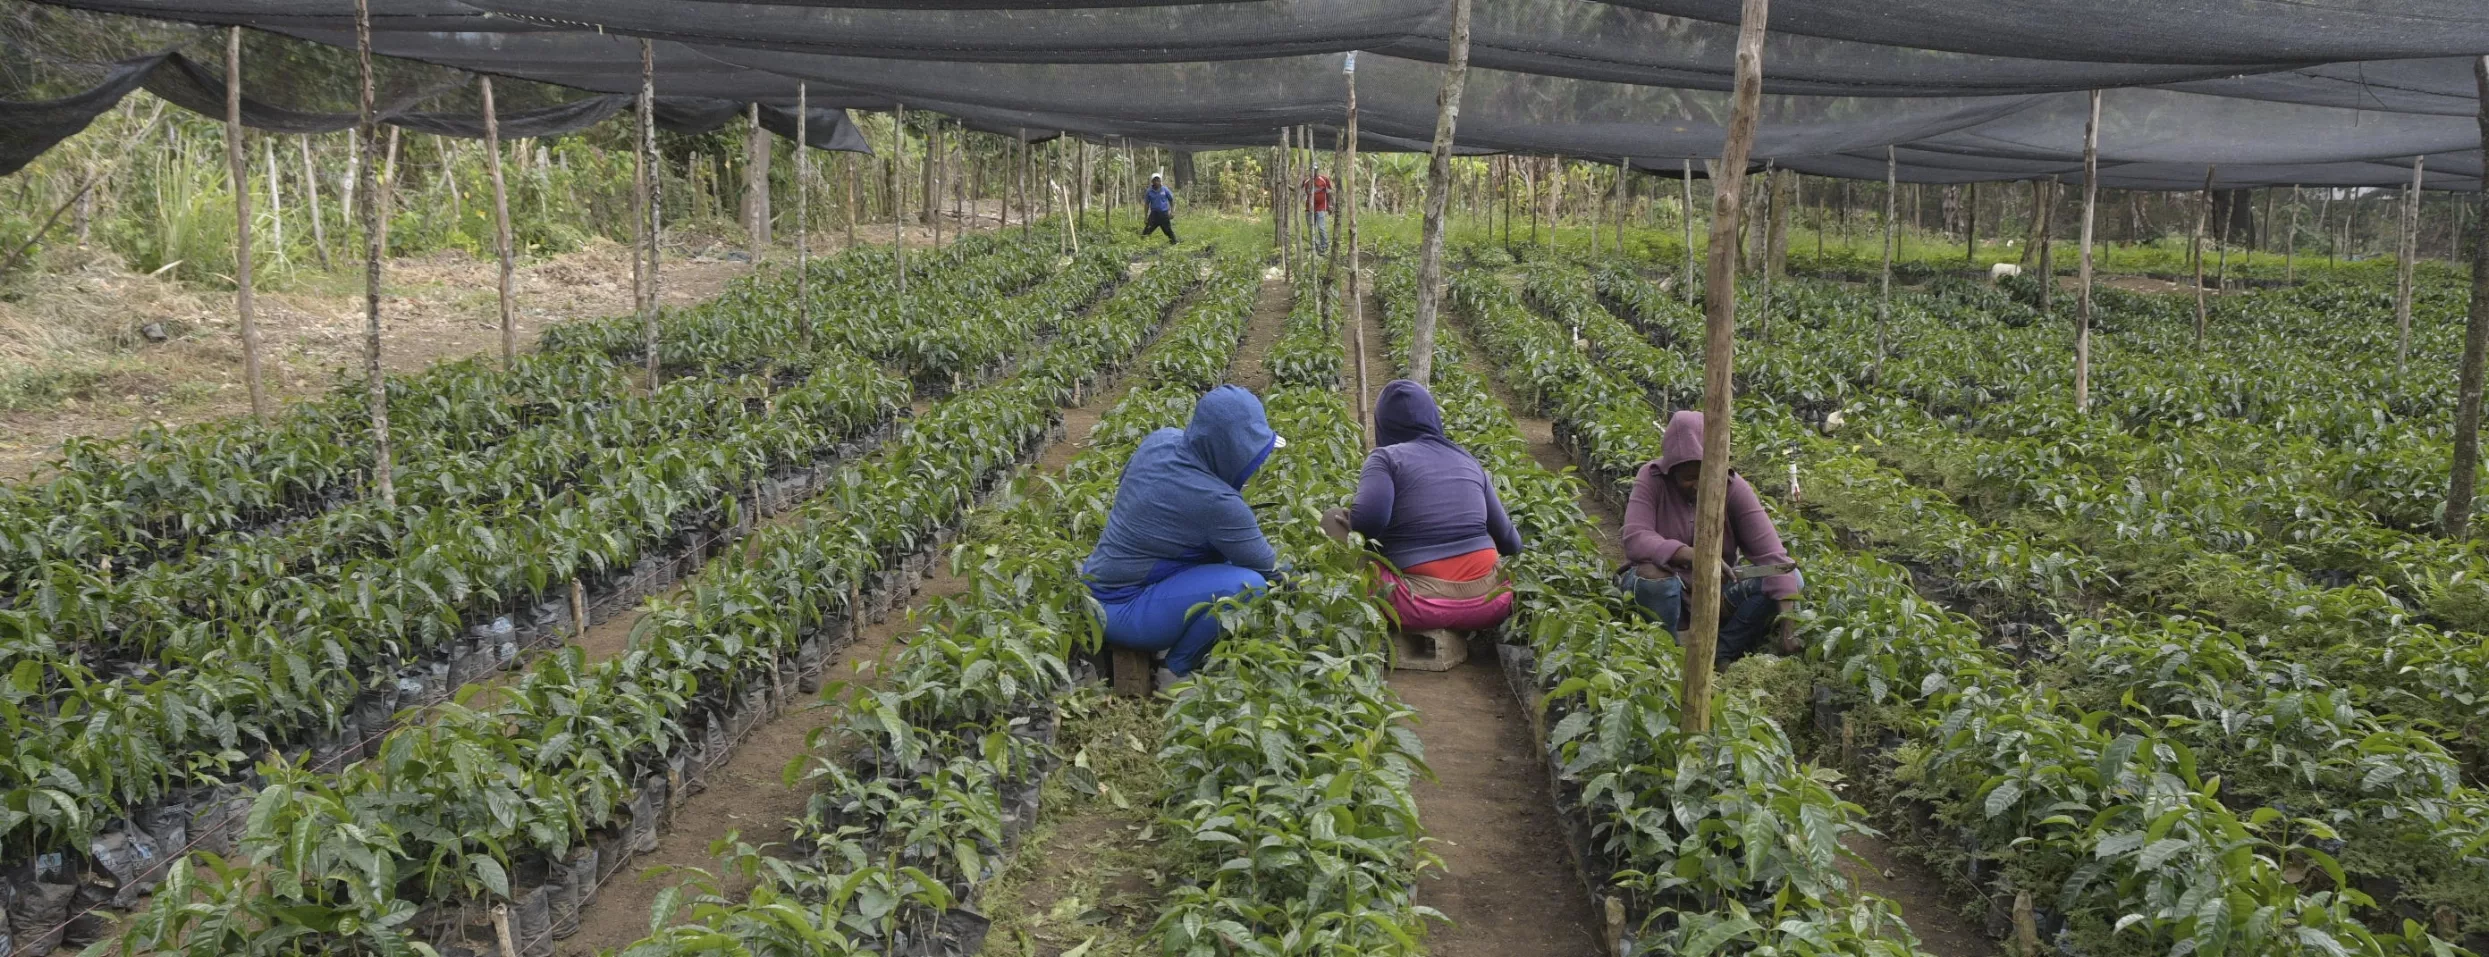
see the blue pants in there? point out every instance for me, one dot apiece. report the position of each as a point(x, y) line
point(1166, 616)
point(1747, 612)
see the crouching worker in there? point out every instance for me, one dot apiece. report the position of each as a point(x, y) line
point(1432, 510)
point(1659, 549)
point(1180, 534)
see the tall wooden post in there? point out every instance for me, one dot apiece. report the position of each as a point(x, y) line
point(1719, 357)
point(1774, 217)
point(1019, 172)
point(1348, 234)
point(756, 156)
point(1884, 293)
point(242, 304)
point(1624, 165)
point(2082, 302)
point(1686, 183)
point(311, 195)
point(1970, 226)
point(276, 201)
point(648, 200)
point(2458, 517)
point(2290, 243)
point(898, 206)
point(501, 225)
point(2408, 251)
point(376, 388)
point(2203, 213)
point(1438, 191)
point(2047, 216)
point(803, 212)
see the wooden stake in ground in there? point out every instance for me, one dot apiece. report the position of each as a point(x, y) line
point(311, 193)
point(2290, 243)
point(1884, 293)
point(376, 389)
point(2203, 212)
point(2458, 517)
point(2047, 216)
point(242, 224)
point(1624, 164)
point(1686, 182)
point(1970, 227)
point(2408, 251)
point(501, 225)
point(648, 202)
point(1438, 191)
point(276, 201)
point(898, 205)
point(1766, 234)
point(2082, 302)
point(1348, 232)
point(1719, 357)
point(803, 212)
point(756, 154)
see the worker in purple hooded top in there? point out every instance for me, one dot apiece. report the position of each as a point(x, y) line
point(1659, 548)
point(1431, 509)
point(1181, 536)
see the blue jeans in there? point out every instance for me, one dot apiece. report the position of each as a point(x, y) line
point(1747, 613)
point(1322, 231)
point(1168, 616)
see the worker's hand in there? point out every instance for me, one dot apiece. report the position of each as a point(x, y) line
point(1684, 558)
point(1789, 627)
point(1335, 523)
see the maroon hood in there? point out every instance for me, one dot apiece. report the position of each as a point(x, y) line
point(1682, 442)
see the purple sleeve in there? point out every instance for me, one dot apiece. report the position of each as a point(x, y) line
point(1758, 541)
point(1499, 525)
point(1370, 514)
point(1643, 542)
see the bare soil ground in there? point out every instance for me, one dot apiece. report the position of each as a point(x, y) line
point(1507, 882)
point(1940, 927)
point(81, 329)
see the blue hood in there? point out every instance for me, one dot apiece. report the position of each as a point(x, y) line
point(1406, 412)
point(1228, 436)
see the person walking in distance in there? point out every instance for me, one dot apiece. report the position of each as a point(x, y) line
point(1161, 208)
point(1318, 198)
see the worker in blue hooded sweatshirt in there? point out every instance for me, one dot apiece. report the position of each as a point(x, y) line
point(1181, 535)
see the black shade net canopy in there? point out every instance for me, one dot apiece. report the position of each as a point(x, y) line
point(2255, 92)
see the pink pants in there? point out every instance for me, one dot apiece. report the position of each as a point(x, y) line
point(1453, 614)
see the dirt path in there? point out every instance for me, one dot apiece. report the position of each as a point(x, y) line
point(1940, 927)
point(1270, 312)
point(1089, 876)
point(1506, 883)
point(750, 794)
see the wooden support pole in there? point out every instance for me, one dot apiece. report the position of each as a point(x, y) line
point(2203, 213)
point(649, 193)
point(1719, 357)
point(276, 200)
point(1624, 165)
point(2466, 468)
point(1884, 290)
point(376, 388)
point(1970, 226)
point(1438, 192)
point(2047, 215)
point(2408, 251)
point(898, 215)
point(311, 194)
point(2290, 243)
point(242, 305)
point(501, 226)
point(1686, 183)
point(1348, 232)
point(2082, 302)
point(756, 155)
point(1769, 232)
point(803, 213)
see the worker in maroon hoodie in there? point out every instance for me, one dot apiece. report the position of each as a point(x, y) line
point(1659, 548)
